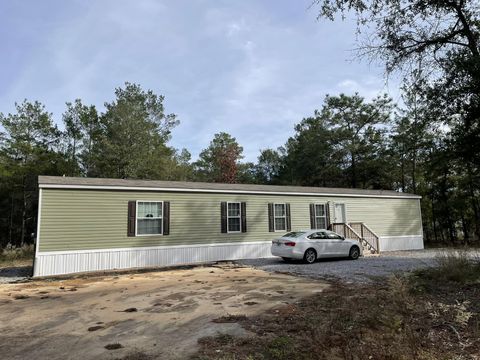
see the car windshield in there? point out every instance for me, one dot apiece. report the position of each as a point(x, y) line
point(294, 234)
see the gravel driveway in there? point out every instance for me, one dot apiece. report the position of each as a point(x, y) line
point(363, 270)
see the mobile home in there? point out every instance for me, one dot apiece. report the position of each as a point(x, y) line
point(92, 224)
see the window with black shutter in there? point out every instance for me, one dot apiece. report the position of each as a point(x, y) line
point(146, 218)
point(318, 216)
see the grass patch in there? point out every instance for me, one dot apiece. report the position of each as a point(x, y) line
point(390, 320)
point(452, 268)
point(16, 256)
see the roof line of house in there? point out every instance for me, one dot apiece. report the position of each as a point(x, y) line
point(224, 191)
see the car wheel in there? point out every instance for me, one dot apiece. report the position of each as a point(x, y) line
point(354, 253)
point(310, 256)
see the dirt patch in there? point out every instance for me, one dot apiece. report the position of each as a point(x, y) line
point(51, 320)
point(113, 346)
point(230, 319)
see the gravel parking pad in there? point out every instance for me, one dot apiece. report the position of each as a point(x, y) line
point(363, 270)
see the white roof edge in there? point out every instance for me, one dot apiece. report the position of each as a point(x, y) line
point(168, 189)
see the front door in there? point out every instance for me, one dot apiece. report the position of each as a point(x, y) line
point(340, 214)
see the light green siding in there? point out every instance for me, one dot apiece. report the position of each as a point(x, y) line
point(97, 219)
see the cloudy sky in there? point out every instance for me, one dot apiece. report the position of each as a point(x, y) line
point(252, 68)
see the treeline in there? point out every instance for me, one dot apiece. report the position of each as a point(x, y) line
point(348, 142)
point(429, 144)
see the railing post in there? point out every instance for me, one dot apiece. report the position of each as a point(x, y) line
point(361, 230)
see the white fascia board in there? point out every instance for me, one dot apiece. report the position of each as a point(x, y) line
point(138, 188)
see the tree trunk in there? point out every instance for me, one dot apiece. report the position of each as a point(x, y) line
point(354, 171)
point(434, 219)
point(24, 213)
point(12, 208)
point(402, 169)
point(473, 199)
point(74, 150)
point(466, 236)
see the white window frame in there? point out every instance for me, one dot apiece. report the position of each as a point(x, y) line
point(275, 217)
point(320, 216)
point(235, 217)
point(137, 218)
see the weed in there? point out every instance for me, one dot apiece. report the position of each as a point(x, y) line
point(281, 348)
point(457, 267)
point(224, 339)
point(11, 253)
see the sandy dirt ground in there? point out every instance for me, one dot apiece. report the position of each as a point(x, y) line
point(160, 313)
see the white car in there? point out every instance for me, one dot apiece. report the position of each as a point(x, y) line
point(311, 245)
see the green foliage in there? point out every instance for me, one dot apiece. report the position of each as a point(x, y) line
point(82, 132)
point(135, 132)
point(220, 160)
point(436, 45)
point(344, 144)
point(349, 142)
point(29, 148)
point(281, 347)
point(268, 166)
point(128, 140)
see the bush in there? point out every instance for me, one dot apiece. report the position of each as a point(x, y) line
point(457, 267)
point(10, 253)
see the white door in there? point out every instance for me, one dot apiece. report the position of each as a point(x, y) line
point(340, 214)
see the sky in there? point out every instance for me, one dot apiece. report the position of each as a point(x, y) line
point(252, 68)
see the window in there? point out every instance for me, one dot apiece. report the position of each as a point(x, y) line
point(318, 235)
point(149, 217)
point(332, 235)
point(320, 216)
point(234, 217)
point(280, 217)
point(294, 234)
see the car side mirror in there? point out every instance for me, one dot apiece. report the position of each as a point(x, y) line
point(342, 237)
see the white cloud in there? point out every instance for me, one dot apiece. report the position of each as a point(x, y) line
point(250, 68)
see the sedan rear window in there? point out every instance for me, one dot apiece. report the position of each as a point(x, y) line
point(294, 234)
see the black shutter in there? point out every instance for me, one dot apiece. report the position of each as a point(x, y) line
point(271, 220)
point(223, 216)
point(244, 216)
point(166, 217)
point(288, 218)
point(327, 214)
point(312, 216)
point(132, 212)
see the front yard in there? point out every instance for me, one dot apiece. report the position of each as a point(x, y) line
point(160, 314)
point(233, 311)
point(433, 313)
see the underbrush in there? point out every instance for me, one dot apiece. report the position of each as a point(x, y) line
point(458, 267)
point(11, 255)
point(431, 314)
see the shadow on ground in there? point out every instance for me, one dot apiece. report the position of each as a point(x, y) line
point(14, 272)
